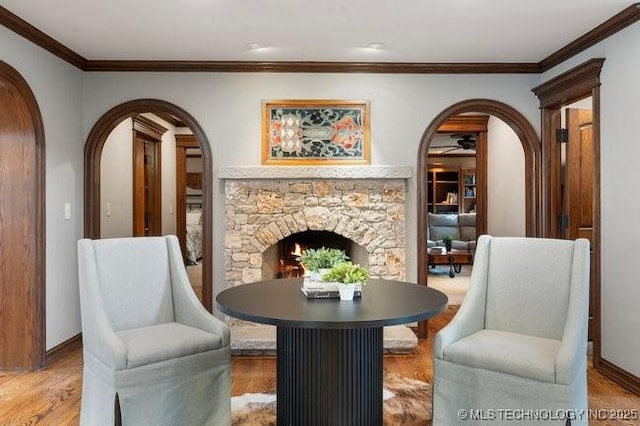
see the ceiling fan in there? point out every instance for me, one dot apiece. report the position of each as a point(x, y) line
point(465, 141)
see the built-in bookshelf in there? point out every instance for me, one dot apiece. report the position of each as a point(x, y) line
point(468, 191)
point(444, 190)
point(451, 190)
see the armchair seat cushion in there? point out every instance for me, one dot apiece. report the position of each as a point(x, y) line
point(504, 352)
point(156, 343)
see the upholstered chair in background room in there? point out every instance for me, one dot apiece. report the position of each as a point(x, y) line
point(519, 339)
point(150, 347)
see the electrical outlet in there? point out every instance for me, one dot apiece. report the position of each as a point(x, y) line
point(67, 211)
point(108, 209)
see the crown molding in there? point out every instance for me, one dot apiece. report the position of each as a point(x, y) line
point(314, 67)
point(37, 37)
point(608, 28)
point(611, 26)
point(148, 127)
point(570, 85)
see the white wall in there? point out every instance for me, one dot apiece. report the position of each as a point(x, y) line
point(505, 181)
point(116, 177)
point(116, 180)
point(620, 151)
point(228, 107)
point(57, 87)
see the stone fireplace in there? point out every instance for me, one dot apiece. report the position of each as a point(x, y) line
point(264, 205)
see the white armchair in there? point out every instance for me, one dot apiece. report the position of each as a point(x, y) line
point(149, 344)
point(519, 339)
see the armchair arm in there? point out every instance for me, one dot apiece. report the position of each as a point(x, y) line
point(98, 337)
point(572, 355)
point(470, 316)
point(187, 308)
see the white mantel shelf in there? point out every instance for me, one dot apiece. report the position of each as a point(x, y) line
point(315, 172)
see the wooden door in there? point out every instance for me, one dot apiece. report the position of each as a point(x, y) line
point(147, 178)
point(147, 219)
point(22, 339)
point(578, 197)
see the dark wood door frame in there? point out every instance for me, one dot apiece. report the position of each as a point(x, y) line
point(93, 152)
point(183, 142)
point(534, 204)
point(145, 131)
point(578, 83)
point(24, 302)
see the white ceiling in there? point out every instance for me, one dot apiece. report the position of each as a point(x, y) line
point(316, 30)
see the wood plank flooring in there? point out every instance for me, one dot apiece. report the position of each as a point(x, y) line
point(52, 396)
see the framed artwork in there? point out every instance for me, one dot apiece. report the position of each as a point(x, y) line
point(314, 132)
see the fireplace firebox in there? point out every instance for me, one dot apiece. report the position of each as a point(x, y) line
point(280, 259)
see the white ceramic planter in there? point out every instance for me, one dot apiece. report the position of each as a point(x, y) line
point(317, 275)
point(346, 291)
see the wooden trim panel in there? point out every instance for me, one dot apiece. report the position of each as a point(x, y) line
point(148, 127)
point(465, 123)
point(187, 141)
point(314, 67)
point(620, 376)
point(570, 85)
point(23, 297)
point(64, 349)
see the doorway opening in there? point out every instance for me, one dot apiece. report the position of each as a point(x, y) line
point(96, 144)
point(532, 159)
point(570, 105)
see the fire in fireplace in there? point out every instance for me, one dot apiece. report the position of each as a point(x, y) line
point(279, 260)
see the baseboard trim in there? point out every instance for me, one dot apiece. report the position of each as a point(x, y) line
point(64, 348)
point(620, 376)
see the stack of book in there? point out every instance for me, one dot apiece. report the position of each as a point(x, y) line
point(324, 290)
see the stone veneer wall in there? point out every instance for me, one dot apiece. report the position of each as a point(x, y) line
point(261, 212)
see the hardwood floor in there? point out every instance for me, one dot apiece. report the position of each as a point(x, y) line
point(52, 396)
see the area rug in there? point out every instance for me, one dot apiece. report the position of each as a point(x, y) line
point(407, 402)
point(455, 288)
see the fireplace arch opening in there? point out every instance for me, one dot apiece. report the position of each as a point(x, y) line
point(280, 259)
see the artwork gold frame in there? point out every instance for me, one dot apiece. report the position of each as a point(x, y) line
point(315, 132)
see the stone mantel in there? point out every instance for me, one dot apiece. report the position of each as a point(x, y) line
point(315, 172)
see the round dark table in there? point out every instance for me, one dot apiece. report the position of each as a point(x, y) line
point(330, 352)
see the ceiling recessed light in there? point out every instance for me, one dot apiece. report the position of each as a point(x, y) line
point(253, 45)
point(375, 45)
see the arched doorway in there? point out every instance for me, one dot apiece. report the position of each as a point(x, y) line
point(22, 225)
point(532, 157)
point(92, 155)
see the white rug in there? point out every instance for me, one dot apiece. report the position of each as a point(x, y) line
point(455, 288)
point(407, 402)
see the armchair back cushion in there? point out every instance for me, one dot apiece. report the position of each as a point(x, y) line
point(141, 271)
point(522, 282)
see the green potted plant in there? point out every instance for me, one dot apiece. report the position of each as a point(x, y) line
point(448, 241)
point(347, 275)
point(320, 261)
